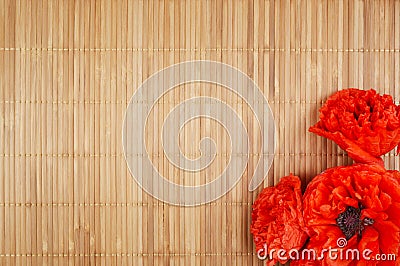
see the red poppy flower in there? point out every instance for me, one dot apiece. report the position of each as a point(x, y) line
point(364, 123)
point(359, 203)
point(277, 218)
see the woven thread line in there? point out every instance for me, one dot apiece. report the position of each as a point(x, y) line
point(392, 154)
point(158, 102)
point(137, 204)
point(187, 154)
point(53, 49)
point(132, 254)
point(148, 102)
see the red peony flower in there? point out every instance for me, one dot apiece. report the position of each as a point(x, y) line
point(364, 123)
point(277, 218)
point(360, 203)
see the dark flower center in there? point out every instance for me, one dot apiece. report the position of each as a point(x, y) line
point(350, 222)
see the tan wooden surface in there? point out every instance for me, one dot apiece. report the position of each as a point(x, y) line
point(68, 70)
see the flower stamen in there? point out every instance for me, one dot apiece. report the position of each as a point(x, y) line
point(350, 222)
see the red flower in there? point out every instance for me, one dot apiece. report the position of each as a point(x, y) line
point(360, 203)
point(364, 123)
point(277, 219)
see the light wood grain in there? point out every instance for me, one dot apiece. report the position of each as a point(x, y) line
point(68, 70)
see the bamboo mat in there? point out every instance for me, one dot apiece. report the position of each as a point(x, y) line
point(68, 70)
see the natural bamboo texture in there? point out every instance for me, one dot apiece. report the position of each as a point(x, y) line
point(68, 70)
